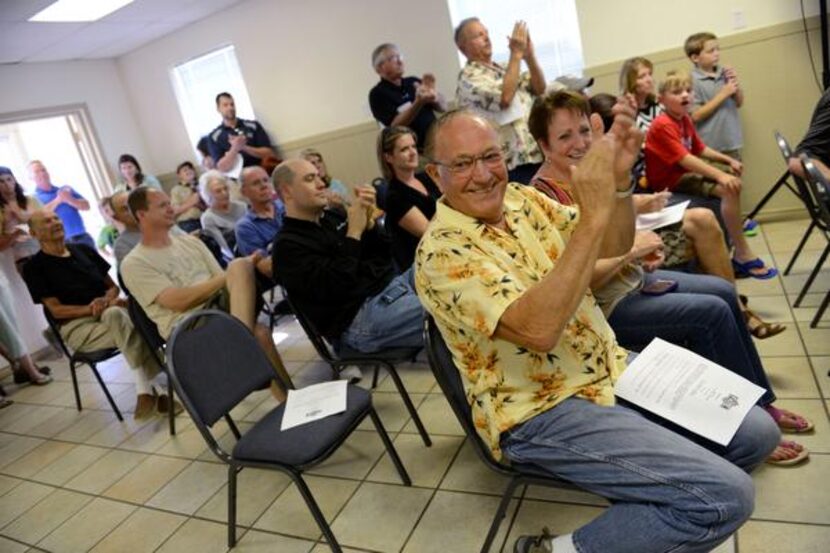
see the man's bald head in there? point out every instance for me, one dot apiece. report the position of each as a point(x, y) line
point(256, 186)
point(301, 188)
point(121, 210)
point(46, 226)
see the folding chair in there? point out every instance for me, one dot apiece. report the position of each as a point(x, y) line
point(448, 377)
point(215, 362)
point(783, 180)
point(803, 194)
point(819, 189)
point(347, 357)
point(90, 358)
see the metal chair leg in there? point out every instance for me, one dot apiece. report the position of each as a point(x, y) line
point(812, 277)
point(375, 377)
point(393, 373)
point(800, 247)
point(390, 448)
point(171, 414)
point(232, 505)
point(503, 504)
point(822, 308)
point(106, 391)
point(75, 384)
point(317, 513)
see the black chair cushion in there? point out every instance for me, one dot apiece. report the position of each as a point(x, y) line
point(303, 444)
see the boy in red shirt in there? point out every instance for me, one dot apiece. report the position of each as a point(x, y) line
point(673, 153)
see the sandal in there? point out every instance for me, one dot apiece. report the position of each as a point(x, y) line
point(22, 377)
point(750, 227)
point(760, 328)
point(787, 448)
point(5, 402)
point(788, 421)
point(744, 269)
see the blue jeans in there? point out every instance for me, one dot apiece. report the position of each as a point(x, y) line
point(83, 238)
point(667, 492)
point(392, 319)
point(702, 315)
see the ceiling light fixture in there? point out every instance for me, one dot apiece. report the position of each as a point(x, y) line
point(78, 10)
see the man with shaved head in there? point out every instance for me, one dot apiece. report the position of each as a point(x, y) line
point(338, 270)
point(505, 272)
point(71, 281)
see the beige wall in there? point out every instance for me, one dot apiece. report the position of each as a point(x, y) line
point(305, 62)
point(775, 74)
point(33, 86)
point(607, 25)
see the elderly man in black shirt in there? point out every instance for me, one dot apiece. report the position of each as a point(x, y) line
point(339, 270)
point(71, 280)
point(403, 101)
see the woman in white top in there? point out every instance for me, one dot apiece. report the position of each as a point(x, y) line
point(222, 213)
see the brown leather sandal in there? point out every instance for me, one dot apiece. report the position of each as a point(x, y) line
point(760, 328)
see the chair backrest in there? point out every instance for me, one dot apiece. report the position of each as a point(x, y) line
point(324, 350)
point(215, 362)
point(784, 146)
point(449, 379)
point(801, 186)
point(819, 189)
point(55, 328)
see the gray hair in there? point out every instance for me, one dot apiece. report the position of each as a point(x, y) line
point(204, 181)
point(459, 30)
point(377, 53)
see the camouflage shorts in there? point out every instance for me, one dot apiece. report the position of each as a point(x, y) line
point(676, 245)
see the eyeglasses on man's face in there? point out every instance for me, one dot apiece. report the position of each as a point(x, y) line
point(463, 166)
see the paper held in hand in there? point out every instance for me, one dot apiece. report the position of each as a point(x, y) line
point(314, 403)
point(663, 218)
point(688, 390)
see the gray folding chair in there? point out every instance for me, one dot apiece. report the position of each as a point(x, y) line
point(215, 362)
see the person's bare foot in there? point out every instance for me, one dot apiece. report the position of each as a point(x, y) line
point(788, 453)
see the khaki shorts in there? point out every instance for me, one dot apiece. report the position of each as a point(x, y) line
point(696, 184)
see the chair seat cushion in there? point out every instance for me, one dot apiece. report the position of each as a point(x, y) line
point(96, 356)
point(297, 446)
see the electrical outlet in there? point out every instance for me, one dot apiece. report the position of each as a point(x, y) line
point(738, 19)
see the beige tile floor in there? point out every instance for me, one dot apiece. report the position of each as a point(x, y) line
point(73, 481)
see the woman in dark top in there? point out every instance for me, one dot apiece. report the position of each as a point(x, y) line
point(410, 203)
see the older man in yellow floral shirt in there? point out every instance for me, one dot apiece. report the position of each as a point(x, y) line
point(505, 272)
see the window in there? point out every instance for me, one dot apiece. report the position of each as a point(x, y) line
point(198, 81)
point(553, 24)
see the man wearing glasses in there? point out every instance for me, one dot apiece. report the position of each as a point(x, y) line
point(338, 270)
point(505, 272)
point(403, 101)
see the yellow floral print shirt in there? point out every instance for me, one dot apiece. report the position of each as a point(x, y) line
point(467, 274)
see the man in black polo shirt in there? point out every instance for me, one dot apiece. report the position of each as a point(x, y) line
point(404, 101)
point(338, 271)
point(71, 280)
point(236, 137)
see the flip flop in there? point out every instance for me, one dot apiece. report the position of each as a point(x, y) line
point(744, 270)
point(760, 328)
point(5, 402)
point(801, 454)
point(750, 227)
point(802, 424)
point(22, 377)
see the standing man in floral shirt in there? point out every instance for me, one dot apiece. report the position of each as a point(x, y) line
point(502, 94)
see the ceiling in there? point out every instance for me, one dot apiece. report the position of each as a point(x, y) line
point(120, 32)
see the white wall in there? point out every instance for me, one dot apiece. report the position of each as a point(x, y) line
point(31, 86)
point(614, 30)
point(306, 63)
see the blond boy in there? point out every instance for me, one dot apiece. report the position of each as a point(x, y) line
point(717, 96)
point(674, 161)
